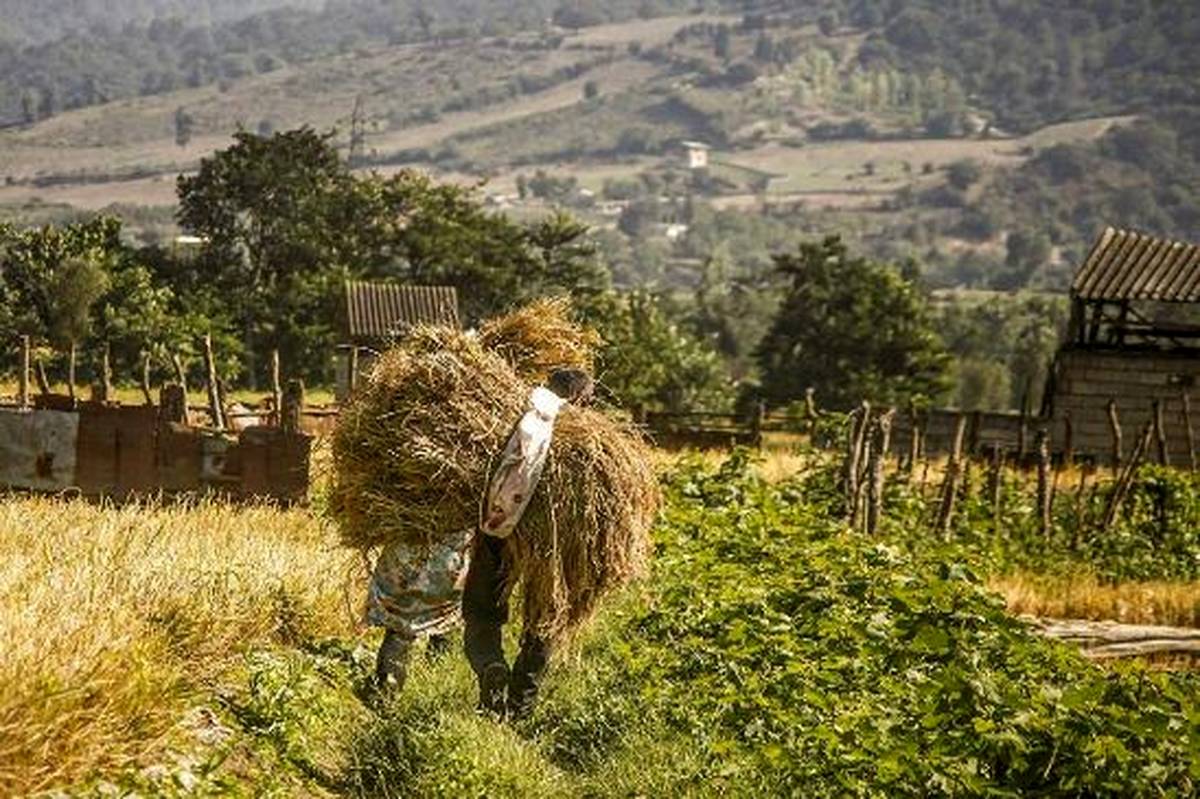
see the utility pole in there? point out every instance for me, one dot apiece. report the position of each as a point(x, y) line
point(358, 134)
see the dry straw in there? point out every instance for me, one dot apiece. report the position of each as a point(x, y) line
point(414, 449)
point(541, 337)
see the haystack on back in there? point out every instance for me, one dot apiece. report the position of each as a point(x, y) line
point(541, 337)
point(415, 447)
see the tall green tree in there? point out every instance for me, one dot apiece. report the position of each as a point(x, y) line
point(80, 285)
point(285, 222)
point(851, 328)
point(650, 360)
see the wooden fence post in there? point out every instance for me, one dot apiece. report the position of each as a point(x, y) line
point(849, 467)
point(810, 412)
point(146, 379)
point(276, 389)
point(42, 381)
point(1044, 496)
point(854, 461)
point(106, 386)
point(887, 432)
point(180, 372)
point(72, 356)
point(293, 405)
point(950, 483)
point(995, 480)
point(23, 397)
point(882, 433)
point(1114, 429)
point(172, 404)
point(973, 433)
point(214, 392)
point(1023, 432)
point(1117, 497)
point(1068, 441)
point(353, 382)
point(756, 424)
point(914, 436)
point(1160, 433)
point(1186, 405)
point(1081, 507)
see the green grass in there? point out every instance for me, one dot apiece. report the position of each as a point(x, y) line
point(773, 652)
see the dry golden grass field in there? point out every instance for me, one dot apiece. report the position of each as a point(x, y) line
point(115, 618)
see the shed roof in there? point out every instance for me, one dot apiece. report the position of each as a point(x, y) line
point(1126, 265)
point(377, 311)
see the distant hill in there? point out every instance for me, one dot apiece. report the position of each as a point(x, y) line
point(23, 22)
point(59, 55)
point(931, 128)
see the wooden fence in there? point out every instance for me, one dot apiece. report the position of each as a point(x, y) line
point(101, 447)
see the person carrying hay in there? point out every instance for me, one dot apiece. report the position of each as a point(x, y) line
point(425, 591)
point(490, 575)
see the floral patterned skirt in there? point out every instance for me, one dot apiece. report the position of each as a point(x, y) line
point(417, 590)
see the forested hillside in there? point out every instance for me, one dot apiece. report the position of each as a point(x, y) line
point(24, 22)
point(981, 143)
point(1030, 62)
point(84, 54)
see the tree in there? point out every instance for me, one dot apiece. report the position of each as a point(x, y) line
point(827, 23)
point(1025, 253)
point(184, 124)
point(73, 289)
point(764, 49)
point(851, 328)
point(285, 222)
point(649, 360)
point(722, 40)
point(28, 114)
point(53, 275)
point(79, 285)
point(591, 90)
point(48, 104)
point(964, 174)
point(425, 20)
point(576, 16)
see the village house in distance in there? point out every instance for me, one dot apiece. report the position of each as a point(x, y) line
point(376, 313)
point(1133, 344)
point(1128, 366)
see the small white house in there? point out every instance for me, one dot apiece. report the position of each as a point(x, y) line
point(697, 154)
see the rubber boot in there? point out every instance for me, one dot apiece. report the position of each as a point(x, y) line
point(527, 672)
point(493, 687)
point(391, 665)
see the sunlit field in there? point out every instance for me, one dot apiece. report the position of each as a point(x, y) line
point(115, 619)
point(203, 649)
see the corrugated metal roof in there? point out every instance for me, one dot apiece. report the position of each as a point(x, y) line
point(380, 310)
point(1126, 265)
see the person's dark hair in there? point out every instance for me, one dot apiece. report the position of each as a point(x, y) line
point(573, 385)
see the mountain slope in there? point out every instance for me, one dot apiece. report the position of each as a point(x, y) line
point(26, 23)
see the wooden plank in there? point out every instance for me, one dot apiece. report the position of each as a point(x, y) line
point(1109, 639)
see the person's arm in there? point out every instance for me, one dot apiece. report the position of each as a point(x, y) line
point(515, 478)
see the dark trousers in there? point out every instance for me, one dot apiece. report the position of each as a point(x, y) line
point(485, 611)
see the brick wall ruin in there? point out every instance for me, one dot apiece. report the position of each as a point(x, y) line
point(102, 449)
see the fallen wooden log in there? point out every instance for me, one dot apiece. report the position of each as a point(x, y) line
point(1109, 639)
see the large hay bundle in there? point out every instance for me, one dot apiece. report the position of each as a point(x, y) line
point(540, 337)
point(415, 447)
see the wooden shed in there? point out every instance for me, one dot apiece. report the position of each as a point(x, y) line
point(1133, 340)
point(377, 313)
